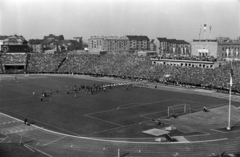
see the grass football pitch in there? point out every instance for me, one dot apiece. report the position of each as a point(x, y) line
point(116, 113)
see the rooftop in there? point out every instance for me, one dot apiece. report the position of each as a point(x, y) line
point(137, 37)
point(174, 41)
point(109, 37)
point(35, 41)
point(3, 37)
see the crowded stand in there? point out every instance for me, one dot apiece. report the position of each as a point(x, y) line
point(44, 63)
point(13, 58)
point(135, 68)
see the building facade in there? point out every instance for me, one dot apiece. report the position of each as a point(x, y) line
point(138, 43)
point(204, 48)
point(15, 40)
point(14, 44)
point(108, 44)
point(229, 50)
point(118, 44)
point(36, 45)
point(152, 46)
point(219, 49)
point(187, 63)
point(173, 47)
point(2, 38)
point(51, 43)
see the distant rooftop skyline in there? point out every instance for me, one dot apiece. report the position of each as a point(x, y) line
point(178, 19)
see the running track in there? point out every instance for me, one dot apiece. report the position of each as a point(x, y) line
point(40, 137)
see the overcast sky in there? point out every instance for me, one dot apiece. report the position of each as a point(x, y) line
point(180, 19)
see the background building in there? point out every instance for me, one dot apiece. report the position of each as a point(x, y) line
point(173, 47)
point(221, 49)
point(15, 40)
point(229, 50)
point(70, 45)
point(51, 43)
point(15, 44)
point(108, 44)
point(138, 43)
point(2, 38)
point(204, 48)
point(36, 45)
point(152, 45)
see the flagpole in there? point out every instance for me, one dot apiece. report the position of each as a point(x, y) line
point(230, 95)
point(229, 110)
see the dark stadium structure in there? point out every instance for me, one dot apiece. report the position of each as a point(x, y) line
point(14, 58)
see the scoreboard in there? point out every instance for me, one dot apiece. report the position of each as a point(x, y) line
point(15, 48)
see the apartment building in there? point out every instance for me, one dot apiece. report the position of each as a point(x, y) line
point(108, 44)
point(173, 47)
point(36, 45)
point(138, 43)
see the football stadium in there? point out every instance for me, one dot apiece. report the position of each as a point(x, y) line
point(116, 105)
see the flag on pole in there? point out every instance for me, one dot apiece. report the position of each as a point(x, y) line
point(205, 27)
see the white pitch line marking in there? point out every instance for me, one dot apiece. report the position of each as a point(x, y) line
point(4, 139)
point(94, 139)
point(37, 121)
point(28, 148)
point(148, 103)
point(54, 141)
point(103, 120)
point(143, 115)
point(39, 151)
point(127, 107)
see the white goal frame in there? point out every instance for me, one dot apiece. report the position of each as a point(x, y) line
point(186, 107)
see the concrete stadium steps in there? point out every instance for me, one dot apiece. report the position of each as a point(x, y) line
point(45, 138)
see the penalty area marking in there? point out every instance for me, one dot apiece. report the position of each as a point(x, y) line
point(103, 120)
point(149, 103)
point(102, 140)
point(127, 107)
point(145, 115)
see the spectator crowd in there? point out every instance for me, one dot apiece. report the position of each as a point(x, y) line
point(135, 67)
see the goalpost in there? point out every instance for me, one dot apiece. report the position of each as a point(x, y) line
point(179, 109)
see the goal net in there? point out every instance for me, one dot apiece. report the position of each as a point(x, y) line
point(179, 109)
